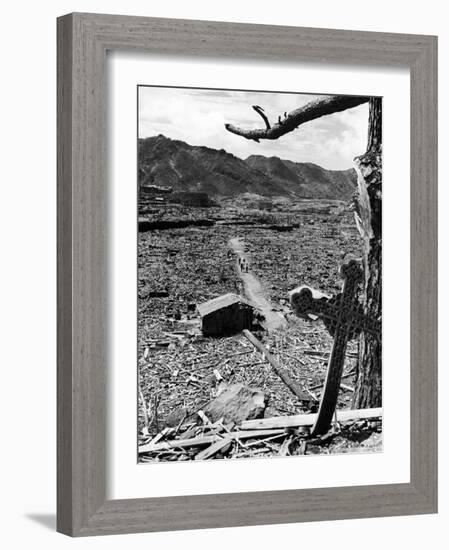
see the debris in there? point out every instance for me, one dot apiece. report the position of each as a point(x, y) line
point(321, 384)
point(308, 419)
point(206, 440)
point(284, 450)
point(217, 375)
point(236, 403)
point(214, 448)
point(323, 354)
point(176, 416)
point(144, 408)
point(312, 395)
point(265, 436)
point(157, 294)
point(227, 314)
point(277, 368)
point(204, 418)
point(301, 450)
point(295, 358)
point(198, 264)
point(160, 435)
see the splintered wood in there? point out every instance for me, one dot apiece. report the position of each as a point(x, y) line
point(277, 436)
point(308, 419)
point(283, 375)
point(181, 372)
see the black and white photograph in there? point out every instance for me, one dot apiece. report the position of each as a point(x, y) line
point(259, 264)
point(220, 285)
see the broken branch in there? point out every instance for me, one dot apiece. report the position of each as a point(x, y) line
point(314, 109)
point(259, 110)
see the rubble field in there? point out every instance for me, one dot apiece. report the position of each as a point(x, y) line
point(181, 372)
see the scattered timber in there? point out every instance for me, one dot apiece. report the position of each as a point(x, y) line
point(214, 448)
point(207, 440)
point(298, 420)
point(321, 384)
point(278, 436)
point(325, 354)
point(283, 375)
point(147, 225)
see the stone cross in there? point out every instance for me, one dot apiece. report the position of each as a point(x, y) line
point(344, 319)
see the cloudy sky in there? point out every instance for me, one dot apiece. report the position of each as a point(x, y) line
point(198, 117)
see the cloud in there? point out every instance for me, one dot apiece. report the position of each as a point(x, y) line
point(198, 117)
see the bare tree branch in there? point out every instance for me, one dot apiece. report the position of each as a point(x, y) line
point(259, 110)
point(314, 109)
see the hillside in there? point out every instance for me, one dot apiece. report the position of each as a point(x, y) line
point(172, 163)
point(306, 180)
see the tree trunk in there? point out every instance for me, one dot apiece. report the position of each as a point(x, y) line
point(368, 390)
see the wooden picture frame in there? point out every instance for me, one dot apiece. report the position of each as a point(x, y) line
point(83, 40)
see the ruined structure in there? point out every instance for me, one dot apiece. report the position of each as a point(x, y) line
point(227, 314)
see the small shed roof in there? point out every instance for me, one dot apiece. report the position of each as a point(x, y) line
point(220, 302)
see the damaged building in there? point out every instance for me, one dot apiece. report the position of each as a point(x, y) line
point(227, 314)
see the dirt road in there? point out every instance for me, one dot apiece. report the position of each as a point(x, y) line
point(254, 290)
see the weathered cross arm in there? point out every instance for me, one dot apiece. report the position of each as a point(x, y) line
point(344, 318)
point(352, 275)
point(310, 111)
point(304, 304)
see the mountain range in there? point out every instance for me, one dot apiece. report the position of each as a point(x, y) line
point(171, 163)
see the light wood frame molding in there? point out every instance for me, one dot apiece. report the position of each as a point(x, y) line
point(83, 40)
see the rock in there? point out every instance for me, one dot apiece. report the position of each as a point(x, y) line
point(237, 403)
point(176, 416)
point(270, 412)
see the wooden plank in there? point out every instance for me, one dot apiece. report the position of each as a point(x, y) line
point(283, 375)
point(308, 419)
point(206, 440)
point(175, 443)
point(321, 384)
point(214, 448)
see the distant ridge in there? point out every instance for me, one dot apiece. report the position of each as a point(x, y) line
point(171, 163)
point(305, 179)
